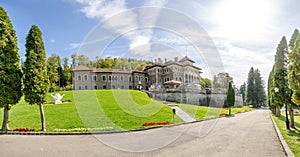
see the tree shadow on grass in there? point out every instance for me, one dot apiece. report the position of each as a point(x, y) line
point(295, 133)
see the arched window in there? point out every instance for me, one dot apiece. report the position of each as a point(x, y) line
point(85, 77)
point(79, 78)
point(85, 87)
point(79, 88)
point(95, 87)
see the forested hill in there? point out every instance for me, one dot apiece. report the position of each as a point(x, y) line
point(109, 62)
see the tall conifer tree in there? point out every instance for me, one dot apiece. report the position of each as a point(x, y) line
point(230, 99)
point(10, 71)
point(293, 75)
point(250, 95)
point(36, 81)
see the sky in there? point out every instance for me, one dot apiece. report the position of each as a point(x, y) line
point(219, 35)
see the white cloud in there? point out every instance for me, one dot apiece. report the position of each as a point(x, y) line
point(117, 17)
point(52, 41)
point(102, 9)
point(138, 41)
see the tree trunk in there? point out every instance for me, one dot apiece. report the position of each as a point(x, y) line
point(43, 121)
point(291, 112)
point(230, 111)
point(278, 113)
point(5, 119)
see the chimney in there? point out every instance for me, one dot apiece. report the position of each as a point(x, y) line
point(176, 59)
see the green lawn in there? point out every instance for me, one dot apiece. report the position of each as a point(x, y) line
point(204, 112)
point(292, 138)
point(100, 110)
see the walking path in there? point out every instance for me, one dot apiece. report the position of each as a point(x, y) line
point(248, 134)
point(182, 114)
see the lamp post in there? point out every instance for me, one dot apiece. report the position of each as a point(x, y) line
point(286, 108)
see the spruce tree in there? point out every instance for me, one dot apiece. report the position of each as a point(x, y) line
point(293, 39)
point(10, 71)
point(230, 99)
point(280, 72)
point(293, 75)
point(291, 69)
point(250, 90)
point(36, 81)
point(260, 93)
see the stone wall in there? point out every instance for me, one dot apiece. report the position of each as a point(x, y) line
point(196, 98)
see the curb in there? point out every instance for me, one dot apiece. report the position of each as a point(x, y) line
point(284, 145)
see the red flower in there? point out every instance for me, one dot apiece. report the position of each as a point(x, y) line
point(157, 123)
point(23, 129)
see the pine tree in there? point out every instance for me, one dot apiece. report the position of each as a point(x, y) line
point(230, 99)
point(10, 72)
point(36, 81)
point(250, 90)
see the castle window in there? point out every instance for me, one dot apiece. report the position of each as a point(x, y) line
point(122, 87)
point(136, 78)
point(85, 77)
point(85, 87)
point(103, 78)
point(95, 78)
point(79, 78)
point(109, 78)
point(79, 88)
point(95, 87)
point(121, 78)
point(129, 78)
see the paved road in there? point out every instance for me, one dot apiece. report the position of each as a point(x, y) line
point(247, 134)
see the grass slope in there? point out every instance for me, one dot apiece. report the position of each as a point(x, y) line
point(204, 112)
point(99, 110)
point(292, 138)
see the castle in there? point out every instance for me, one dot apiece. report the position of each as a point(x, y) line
point(181, 71)
point(171, 80)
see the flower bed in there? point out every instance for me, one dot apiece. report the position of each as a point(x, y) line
point(157, 123)
point(23, 129)
point(222, 115)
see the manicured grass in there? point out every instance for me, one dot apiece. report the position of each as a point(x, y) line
point(292, 138)
point(204, 112)
point(100, 110)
